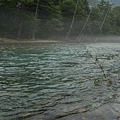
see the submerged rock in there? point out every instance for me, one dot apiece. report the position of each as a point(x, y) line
point(105, 112)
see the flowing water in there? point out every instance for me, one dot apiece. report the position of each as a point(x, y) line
point(52, 80)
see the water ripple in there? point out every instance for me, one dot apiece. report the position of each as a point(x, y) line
point(53, 79)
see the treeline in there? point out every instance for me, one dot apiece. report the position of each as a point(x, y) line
point(44, 19)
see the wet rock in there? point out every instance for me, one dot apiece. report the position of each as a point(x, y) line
point(104, 112)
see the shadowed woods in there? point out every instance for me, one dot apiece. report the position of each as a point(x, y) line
point(58, 20)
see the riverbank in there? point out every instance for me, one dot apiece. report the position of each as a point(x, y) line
point(84, 39)
point(11, 41)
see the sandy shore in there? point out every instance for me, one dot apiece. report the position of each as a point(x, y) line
point(40, 41)
point(10, 41)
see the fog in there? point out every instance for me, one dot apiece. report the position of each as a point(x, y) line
point(108, 39)
point(89, 39)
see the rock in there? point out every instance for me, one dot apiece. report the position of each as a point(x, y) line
point(110, 111)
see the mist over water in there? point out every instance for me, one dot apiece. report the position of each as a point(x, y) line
point(88, 38)
point(51, 80)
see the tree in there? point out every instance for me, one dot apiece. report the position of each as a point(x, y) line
point(115, 20)
point(100, 17)
point(74, 13)
point(68, 7)
point(29, 19)
point(51, 19)
point(21, 18)
point(35, 21)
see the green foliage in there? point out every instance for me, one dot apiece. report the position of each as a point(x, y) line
point(68, 6)
point(55, 24)
point(54, 18)
point(116, 16)
point(110, 26)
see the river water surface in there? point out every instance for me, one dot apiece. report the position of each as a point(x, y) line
point(55, 80)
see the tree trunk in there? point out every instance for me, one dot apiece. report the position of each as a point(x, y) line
point(35, 21)
point(21, 20)
point(73, 19)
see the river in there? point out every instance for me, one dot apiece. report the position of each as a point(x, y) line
point(56, 80)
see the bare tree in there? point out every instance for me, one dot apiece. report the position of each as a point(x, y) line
point(35, 21)
point(21, 7)
point(71, 26)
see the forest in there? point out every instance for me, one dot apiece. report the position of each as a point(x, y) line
point(59, 60)
point(49, 19)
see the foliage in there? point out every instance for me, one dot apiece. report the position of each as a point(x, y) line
point(54, 18)
point(98, 14)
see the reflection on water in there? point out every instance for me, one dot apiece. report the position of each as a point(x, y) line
point(54, 79)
